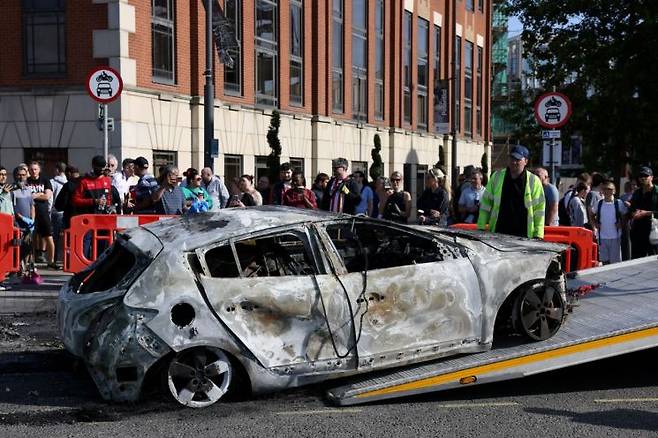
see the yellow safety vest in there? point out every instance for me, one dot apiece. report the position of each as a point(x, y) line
point(533, 199)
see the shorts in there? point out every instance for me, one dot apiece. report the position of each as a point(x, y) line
point(42, 224)
point(610, 250)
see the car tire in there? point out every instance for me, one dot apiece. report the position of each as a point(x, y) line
point(198, 377)
point(538, 312)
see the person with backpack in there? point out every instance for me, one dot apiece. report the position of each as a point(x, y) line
point(644, 207)
point(577, 209)
point(563, 206)
point(610, 219)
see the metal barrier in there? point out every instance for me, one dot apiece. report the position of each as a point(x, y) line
point(100, 229)
point(582, 252)
point(9, 246)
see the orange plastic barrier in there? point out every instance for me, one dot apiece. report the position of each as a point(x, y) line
point(582, 248)
point(9, 246)
point(102, 228)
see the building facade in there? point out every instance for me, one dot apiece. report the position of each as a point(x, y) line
point(338, 71)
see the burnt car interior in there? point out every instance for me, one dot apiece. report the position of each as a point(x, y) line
point(107, 273)
point(271, 256)
point(365, 246)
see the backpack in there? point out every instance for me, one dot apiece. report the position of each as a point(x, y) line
point(617, 212)
point(563, 209)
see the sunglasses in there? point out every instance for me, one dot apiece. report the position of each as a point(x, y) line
point(396, 179)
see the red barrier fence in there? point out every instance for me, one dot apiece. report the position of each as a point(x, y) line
point(100, 228)
point(9, 246)
point(582, 252)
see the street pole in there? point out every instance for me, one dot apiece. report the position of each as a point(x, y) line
point(208, 92)
point(106, 148)
point(552, 158)
point(453, 155)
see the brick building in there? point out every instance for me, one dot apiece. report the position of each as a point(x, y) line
point(339, 71)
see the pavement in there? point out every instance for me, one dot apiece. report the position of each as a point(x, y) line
point(25, 298)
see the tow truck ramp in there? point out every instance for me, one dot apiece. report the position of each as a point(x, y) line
point(619, 317)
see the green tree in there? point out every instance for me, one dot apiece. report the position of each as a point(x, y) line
point(377, 166)
point(602, 54)
point(274, 157)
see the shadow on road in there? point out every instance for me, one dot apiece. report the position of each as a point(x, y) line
point(630, 419)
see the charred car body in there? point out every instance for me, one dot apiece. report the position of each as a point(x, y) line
point(267, 298)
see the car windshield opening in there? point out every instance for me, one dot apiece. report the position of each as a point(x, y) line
point(108, 272)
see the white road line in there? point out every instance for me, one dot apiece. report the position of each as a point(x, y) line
point(626, 400)
point(477, 405)
point(321, 412)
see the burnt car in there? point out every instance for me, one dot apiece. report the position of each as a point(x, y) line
point(266, 298)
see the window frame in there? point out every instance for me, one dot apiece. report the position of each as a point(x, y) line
point(337, 65)
point(297, 58)
point(469, 49)
point(269, 48)
point(360, 73)
point(458, 82)
point(233, 88)
point(168, 23)
point(479, 91)
point(380, 63)
point(422, 62)
point(407, 36)
point(29, 12)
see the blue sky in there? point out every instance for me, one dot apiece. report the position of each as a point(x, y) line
point(514, 26)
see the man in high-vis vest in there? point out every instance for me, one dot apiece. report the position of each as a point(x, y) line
point(513, 202)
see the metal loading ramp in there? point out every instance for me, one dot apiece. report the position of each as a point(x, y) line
point(621, 316)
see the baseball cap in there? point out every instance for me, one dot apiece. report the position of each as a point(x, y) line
point(98, 161)
point(645, 171)
point(141, 162)
point(519, 152)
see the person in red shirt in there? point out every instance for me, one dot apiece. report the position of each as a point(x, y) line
point(298, 195)
point(95, 194)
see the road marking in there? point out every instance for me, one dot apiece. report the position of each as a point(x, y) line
point(626, 400)
point(477, 405)
point(322, 411)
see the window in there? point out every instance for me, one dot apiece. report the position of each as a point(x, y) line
point(337, 57)
point(232, 167)
point(162, 159)
point(481, 5)
point(297, 164)
point(47, 157)
point(360, 166)
point(267, 38)
point(468, 88)
point(406, 84)
point(364, 245)
point(163, 44)
point(233, 75)
point(296, 53)
point(44, 37)
point(260, 168)
point(423, 71)
point(280, 255)
point(359, 60)
point(440, 109)
point(469, 5)
point(458, 82)
point(478, 94)
point(379, 60)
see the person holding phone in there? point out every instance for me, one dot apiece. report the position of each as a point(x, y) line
point(6, 205)
point(169, 198)
point(298, 195)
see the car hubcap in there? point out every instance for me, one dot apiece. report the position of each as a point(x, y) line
point(541, 313)
point(199, 377)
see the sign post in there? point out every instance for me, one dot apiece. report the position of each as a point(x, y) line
point(552, 111)
point(104, 85)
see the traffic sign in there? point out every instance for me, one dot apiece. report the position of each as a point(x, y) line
point(552, 110)
point(547, 135)
point(557, 153)
point(104, 84)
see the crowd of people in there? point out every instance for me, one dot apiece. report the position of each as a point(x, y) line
point(514, 201)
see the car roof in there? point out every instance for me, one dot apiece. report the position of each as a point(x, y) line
point(192, 231)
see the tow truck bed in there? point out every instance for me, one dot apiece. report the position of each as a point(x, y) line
point(621, 316)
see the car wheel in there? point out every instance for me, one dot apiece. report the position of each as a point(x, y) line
point(539, 311)
point(199, 377)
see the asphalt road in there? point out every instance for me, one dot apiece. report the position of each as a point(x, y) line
point(42, 394)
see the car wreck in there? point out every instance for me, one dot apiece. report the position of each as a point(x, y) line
point(267, 298)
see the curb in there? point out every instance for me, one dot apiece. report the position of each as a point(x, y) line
point(31, 298)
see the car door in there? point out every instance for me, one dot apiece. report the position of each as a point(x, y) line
point(412, 295)
point(265, 288)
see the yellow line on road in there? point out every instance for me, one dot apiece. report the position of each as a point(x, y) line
point(321, 412)
point(477, 405)
point(626, 400)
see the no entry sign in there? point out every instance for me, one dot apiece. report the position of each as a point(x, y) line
point(104, 84)
point(552, 110)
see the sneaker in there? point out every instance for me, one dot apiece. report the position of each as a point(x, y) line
point(54, 266)
point(41, 258)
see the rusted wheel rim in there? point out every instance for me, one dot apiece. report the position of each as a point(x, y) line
point(200, 377)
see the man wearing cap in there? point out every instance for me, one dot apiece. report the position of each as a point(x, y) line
point(513, 201)
point(433, 202)
point(469, 200)
point(644, 207)
point(146, 185)
point(341, 194)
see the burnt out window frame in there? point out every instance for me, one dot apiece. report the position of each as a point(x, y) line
point(342, 265)
point(307, 239)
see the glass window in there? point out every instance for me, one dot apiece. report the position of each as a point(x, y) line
point(297, 164)
point(481, 5)
point(359, 60)
point(468, 88)
point(406, 84)
point(337, 57)
point(233, 75)
point(163, 41)
point(379, 60)
point(478, 94)
point(232, 167)
point(296, 53)
point(267, 40)
point(162, 159)
point(440, 100)
point(469, 5)
point(261, 168)
point(44, 37)
point(458, 82)
point(423, 72)
point(360, 166)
